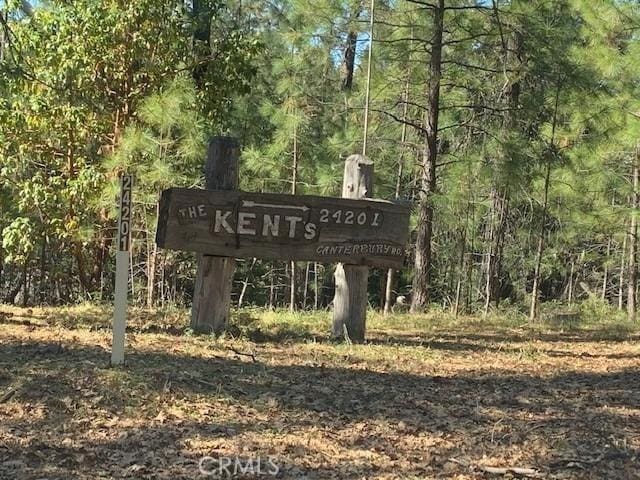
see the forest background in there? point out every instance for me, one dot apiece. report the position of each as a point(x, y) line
point(512, 126)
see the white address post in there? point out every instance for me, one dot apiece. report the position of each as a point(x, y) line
point(122, 271)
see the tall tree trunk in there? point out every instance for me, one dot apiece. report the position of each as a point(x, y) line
point(42, 287)
point(25, 285)
point(623, 263)
point(245, 284)
point(571, 272)
point(423, 255)
point(464, 268)
point(83, 274)
point(350, 48)
point(151, 274)
point(605, 280)
point(4, 37)
point(633, 242)
point(201, 39)
point(102, 250)
point(271, 287)
point(294, 189)
point(550, 154)
point(316, 290)
point(462, 260)
point(152, 265)
point(533, 313)
point(513, 57)
point(163, 272)
point(349, 60)
point(306, 286)
point(293, 285)
point(85, 279)
point(388, 294)
point(365, 134)
point(10, 298)
point(498, 225)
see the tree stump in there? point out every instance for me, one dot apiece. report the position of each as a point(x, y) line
point(350, 301)
point(212, 292)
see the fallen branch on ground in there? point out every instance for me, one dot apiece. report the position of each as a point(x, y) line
point(8, 394)
point(237, 352)
point(523, 472)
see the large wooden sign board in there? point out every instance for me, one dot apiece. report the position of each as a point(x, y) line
point(284, 227)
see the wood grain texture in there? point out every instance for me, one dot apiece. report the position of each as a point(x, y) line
point(350, 301)
point(284, 227)
point(212, 292)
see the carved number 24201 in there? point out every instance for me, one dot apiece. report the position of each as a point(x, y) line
point(349, 217)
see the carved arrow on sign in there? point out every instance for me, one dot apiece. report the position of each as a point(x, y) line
point(250, 203)
point(231, 223)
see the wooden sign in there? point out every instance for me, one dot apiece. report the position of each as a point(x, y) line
point(284, 227)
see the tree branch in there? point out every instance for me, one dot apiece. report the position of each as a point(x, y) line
point(475, 67)
point(483, 107)
point(423, 4)
point(417, 126)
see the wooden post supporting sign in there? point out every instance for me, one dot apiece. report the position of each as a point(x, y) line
point(222, 223)
point(122, 271)
point(350, 301)
point(212, 292)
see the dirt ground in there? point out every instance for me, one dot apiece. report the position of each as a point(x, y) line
point(419, 401)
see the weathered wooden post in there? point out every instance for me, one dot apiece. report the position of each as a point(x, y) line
point(212, 292)
point(354, 230)
point(350, 301)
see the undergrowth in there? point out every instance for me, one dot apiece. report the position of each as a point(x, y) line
point(263, 325)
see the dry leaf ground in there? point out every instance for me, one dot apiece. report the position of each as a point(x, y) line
point(426, 398)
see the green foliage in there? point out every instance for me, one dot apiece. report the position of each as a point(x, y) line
point(17, 240)
point(73, 77)
point(166, 145)
point(90, 89)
